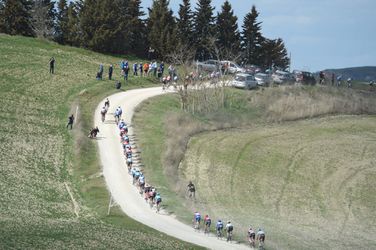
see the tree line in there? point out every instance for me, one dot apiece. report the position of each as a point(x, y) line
point(121, 27)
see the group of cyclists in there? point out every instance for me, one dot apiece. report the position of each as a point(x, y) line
point(220, 228)
point(154, 198)
point(149, 192)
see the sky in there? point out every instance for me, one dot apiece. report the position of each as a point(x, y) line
point(319, 34)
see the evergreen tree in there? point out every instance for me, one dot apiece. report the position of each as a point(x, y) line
point(274, 54)
point(161, 28)
point(137, 37)
point(61, 32)
point(43, 14)
point(185, 24)
point(2, 30)
point(16, 17)
point(228, 36)
point(204, 29)
point(73, 36)
point(252, 38)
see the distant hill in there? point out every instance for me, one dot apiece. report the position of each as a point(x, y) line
point(366, 73)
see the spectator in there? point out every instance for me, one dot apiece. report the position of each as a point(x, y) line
point(141, 69)
point(70, 121)
point(146, 69)
point(100, 72)
point(161, 67)
point(154, 67)
point(52, 65)
point(135, 69)
point(110, 70)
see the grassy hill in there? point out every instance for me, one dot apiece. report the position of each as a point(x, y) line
point(366, 73)
point(297, 161)
point(51, 194)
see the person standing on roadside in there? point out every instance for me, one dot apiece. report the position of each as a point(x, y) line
point(110, 70)
point(161, 67)
point(52, 65)
point(141, 69)
point(70, 121)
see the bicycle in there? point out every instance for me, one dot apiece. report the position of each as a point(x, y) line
point(207, 229)
point(252, 242)
point(261, 245)
point(158, 207)
point(219, 233)
point(196, 225)
point(229, 236)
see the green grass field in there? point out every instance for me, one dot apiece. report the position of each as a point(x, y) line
point(309, 183)
point(41, 162)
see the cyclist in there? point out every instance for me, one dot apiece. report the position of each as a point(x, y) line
point(107, 103)
point(122, 125)
point(339, 80)
point(251, 236)
point(141, 182)
point(118, 113)
point(158, 200)
point(197, 220)
point(103, 113)
point(207, 222)
point(229, 228)
point(260, 237)
point(349, 82)
point(219, 228)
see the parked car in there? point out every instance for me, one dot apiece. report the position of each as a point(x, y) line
point(209, 65)
point(263, 79)
point(244, 81)
point(305, 77)
point(280, 77)
point(232, 67)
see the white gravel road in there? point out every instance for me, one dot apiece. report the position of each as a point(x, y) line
point(119, 182)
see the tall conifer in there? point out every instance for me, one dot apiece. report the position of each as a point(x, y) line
point(161, 28)
point(252, 38)
point(185, 24)
point(228, 36)
point(61, 22)
point(204, 29)
point(16, 17)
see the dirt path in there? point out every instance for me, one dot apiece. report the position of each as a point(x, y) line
point(119, 182)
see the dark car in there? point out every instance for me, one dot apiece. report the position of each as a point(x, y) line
point(304, 77)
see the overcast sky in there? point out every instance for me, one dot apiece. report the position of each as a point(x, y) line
point(320, 34)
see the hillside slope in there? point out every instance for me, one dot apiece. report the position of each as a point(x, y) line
point(49, 197)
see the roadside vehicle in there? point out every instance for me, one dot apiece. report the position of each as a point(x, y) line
point(305, 77)
point(280, 77)
point(209, 65)
point(263, 79)
point(232, 67)
point(244, 81)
